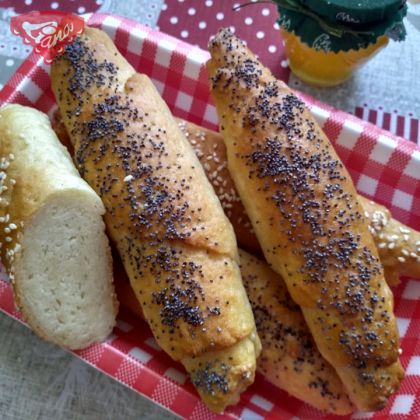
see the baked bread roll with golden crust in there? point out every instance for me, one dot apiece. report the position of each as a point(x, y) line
point(52, 235)
point(278, 362)
point(398, 245)
point(289, 357)
point(176, 244)
point(211, 151)
point(290, 361)
point(304, 209)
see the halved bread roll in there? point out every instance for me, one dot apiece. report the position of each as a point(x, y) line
point(53, 243)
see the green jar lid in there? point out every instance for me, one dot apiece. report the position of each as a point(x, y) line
point(354, 12)
point(319, 24)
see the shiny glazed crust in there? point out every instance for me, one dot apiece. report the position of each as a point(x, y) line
point(281, 364)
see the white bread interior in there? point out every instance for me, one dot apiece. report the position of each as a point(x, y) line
point(57, 254)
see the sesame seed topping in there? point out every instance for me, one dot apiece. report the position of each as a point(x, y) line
point(4, 164)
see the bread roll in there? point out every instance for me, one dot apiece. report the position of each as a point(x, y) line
point(211, 151)
point(308, 220)
point(277, 361)
point(398, 245)
point(53, 242)
point(175, 242)
point(289, 357)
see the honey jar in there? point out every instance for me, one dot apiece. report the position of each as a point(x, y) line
point(327, 40)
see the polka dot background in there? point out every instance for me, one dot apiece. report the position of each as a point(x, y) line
point(72, 6)
point(8, 65)
point(195, 21)
point(147, 13)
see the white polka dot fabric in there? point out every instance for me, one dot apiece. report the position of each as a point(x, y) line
point(195, 21)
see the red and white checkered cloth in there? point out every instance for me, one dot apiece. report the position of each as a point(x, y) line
point(383, 166)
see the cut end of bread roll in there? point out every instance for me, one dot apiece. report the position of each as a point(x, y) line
point(53, 241)
point(60, 273)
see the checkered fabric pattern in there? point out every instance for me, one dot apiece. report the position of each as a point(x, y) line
point(383, 166)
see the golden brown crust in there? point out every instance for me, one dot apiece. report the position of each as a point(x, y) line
point(58, 126)
point(289, 357)
point(213, 364)
point(275, 364)
point(176, 244)
point(35, 171)
point(211, 151)
point(304, 210)
point(220, 376)
point(398, 245)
